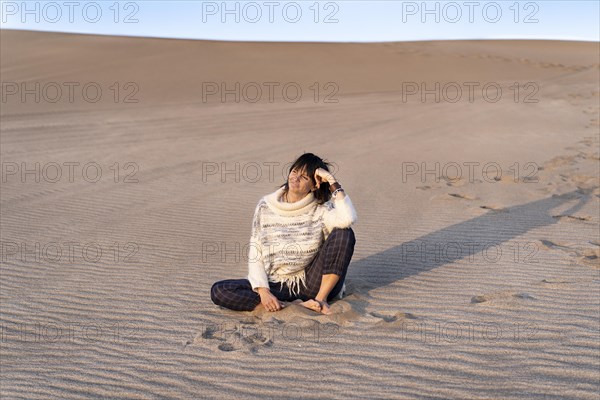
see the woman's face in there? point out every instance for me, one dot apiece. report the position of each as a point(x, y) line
point(299, 182)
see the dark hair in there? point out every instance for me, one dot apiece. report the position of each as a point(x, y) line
point(311, 162)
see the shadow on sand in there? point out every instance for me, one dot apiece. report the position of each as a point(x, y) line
point(485, 233)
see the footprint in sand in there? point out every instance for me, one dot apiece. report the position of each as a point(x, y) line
point(501, 296)
point(247, 336)
point(392, 321)
point(548, 244)
point(590, 257)
point(462, 196)
point(572, 217)
point(480, 299)
point(226, 347)
point(585, 256)
point(458, 182)
point(554, 283)
point(525, 296)
point(494, 207)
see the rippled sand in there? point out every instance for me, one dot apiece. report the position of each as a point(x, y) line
point(477, 279)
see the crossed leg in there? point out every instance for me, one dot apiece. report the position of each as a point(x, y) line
point(326, 274)
point(319, 303)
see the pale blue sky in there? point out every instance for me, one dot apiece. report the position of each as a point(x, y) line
point(329, 21)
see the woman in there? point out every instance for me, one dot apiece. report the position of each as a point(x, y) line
point(301, 244)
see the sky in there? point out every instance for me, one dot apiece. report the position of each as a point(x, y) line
point(312, 20)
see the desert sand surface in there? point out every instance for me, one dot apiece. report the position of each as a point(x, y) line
point(478, 279)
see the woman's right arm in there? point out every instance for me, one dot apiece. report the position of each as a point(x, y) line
point(257, 275)
point(256, 269)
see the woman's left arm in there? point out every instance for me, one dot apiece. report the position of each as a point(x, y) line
point(343, 214)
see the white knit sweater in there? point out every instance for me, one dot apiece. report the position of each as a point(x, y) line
point(287, 236)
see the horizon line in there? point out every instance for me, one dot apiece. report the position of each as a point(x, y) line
point(294, 41)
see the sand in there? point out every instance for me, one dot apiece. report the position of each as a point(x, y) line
point(465, 282)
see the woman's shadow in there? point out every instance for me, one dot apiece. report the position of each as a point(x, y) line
point(486, 236)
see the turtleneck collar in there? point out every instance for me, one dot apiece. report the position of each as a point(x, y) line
point(289, 209)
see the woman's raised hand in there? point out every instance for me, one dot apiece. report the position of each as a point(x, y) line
point(322, 175)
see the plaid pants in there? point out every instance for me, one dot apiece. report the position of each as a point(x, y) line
point(333, 258)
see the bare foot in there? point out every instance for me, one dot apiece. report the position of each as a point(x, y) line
point(311, 305)
point(316, 305)
point(324, 307)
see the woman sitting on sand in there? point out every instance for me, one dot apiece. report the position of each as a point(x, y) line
point(301, 244)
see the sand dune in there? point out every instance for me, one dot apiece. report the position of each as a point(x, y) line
point(461, 286)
